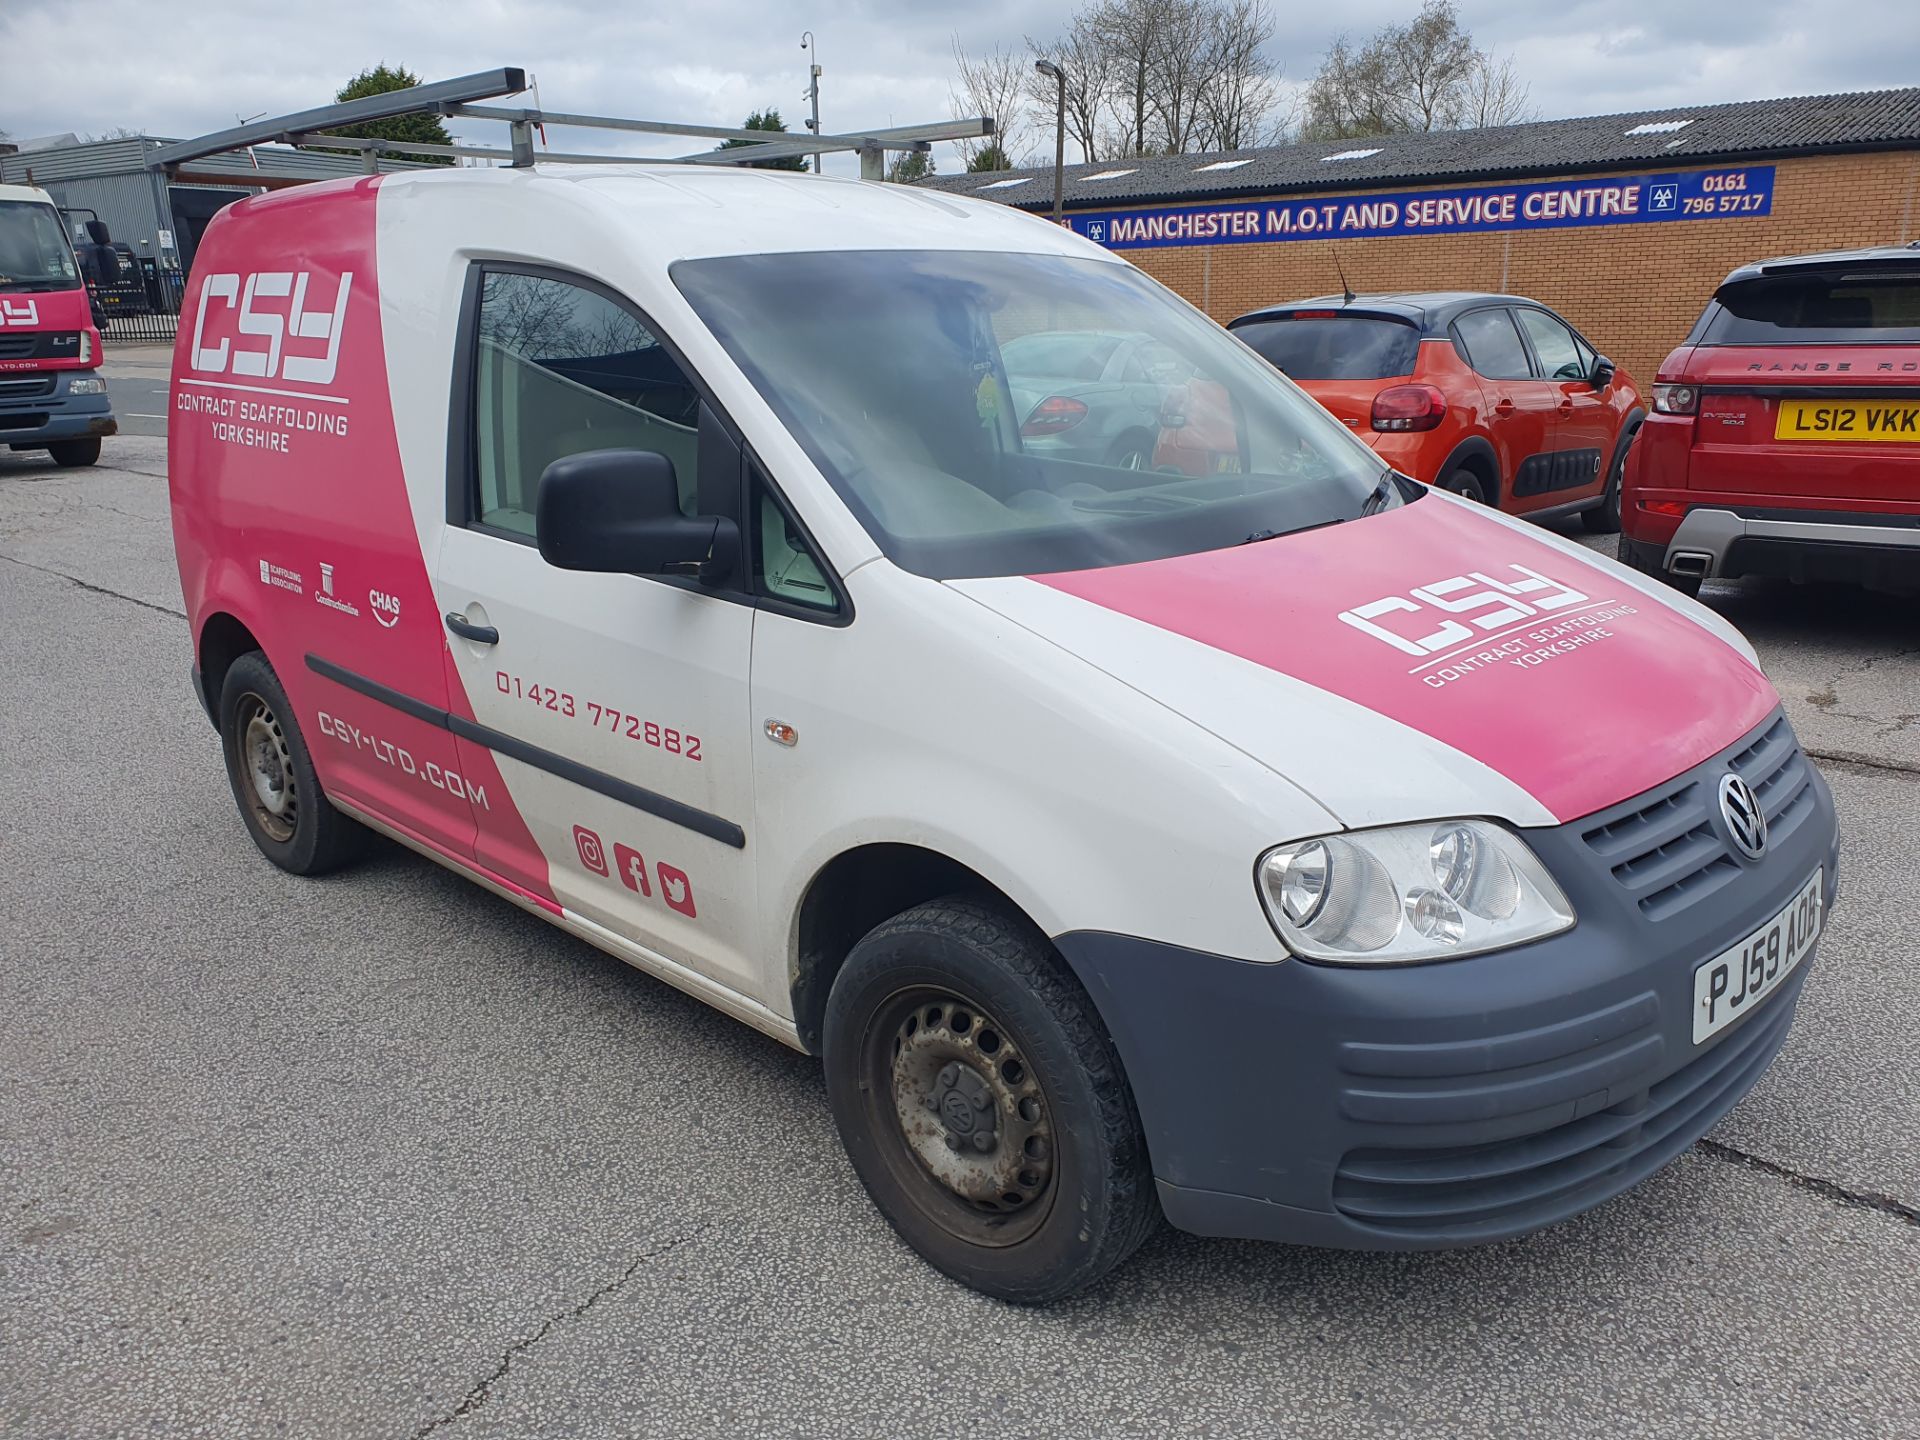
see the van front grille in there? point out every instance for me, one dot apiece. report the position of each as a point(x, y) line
point(1669, 853)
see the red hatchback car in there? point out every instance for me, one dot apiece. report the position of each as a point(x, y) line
point(1785, 438)
point(1494, 397)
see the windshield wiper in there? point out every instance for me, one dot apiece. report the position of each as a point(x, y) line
point(1382, 491)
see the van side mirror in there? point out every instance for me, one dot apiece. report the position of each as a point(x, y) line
point(97, 232)
point(1602, 372)
point(618, 512)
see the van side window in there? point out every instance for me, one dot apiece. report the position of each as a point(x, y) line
point(561, 369)
point(784, 565)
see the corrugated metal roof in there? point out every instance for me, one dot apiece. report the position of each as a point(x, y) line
point(1870, 119)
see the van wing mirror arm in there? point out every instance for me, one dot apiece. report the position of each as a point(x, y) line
point(721, 559)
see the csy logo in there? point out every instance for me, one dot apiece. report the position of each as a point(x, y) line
point(1484, 601)
point(386, 608)
point(19, 312)
point(232, 306)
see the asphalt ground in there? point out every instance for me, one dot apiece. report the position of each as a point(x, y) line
point(381, 1155)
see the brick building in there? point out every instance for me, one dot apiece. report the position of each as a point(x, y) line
point(1623, 223)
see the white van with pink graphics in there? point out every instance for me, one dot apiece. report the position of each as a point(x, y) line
point(1275, 845)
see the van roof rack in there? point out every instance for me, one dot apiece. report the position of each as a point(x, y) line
point(456, 98)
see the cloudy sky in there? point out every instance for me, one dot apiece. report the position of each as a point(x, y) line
point(188, 66)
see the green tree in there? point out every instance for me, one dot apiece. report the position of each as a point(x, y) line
point(989, 157)
point(910, 165)
point(418, 129)
point(765, 120)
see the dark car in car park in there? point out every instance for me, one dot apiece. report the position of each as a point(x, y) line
point(1785, 434)
point(1494, 397)
point(1091, 396)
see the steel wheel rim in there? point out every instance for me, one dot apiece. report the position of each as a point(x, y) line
point(264, 762)
point(966, 1125)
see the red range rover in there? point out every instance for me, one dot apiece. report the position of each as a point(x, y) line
point(1785, 433)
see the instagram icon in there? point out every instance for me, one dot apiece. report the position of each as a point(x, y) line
point(588, 844)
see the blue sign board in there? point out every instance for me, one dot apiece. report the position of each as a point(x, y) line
point(1543, 205)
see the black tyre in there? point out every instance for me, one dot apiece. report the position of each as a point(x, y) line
point(1604, 519)
point(70, 454)
point(983, 1105)
point(1651, 560)
point(1132, 451)
point(1467, 485)
point(272, 775)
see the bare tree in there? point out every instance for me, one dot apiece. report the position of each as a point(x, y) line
point(1130, 31)
point(1144, 77)
point(1239, 100)
point(1182, 63)
point(1424, 75)
point(1091, 69)
point(1496, 95)
point(994, 85)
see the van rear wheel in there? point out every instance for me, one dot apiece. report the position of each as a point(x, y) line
point(274, 784)
point(983, 1105)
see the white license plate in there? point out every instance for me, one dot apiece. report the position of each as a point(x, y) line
point(1733, 983)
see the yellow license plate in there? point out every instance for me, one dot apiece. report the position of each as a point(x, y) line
point(1843, 420)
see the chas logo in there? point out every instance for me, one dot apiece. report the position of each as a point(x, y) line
point(1482, 601)
point(386, 608)
point(233, 306)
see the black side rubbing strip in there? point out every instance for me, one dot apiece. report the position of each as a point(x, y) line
point(701, 822)
point(374, 690)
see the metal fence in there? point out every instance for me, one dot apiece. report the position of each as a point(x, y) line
point(142, 308)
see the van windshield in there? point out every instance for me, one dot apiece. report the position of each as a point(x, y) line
point(34, 252)
point(986, 413)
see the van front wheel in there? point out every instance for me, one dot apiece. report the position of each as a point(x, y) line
point(983, 1105)
point(274, 784)
point(71, 454)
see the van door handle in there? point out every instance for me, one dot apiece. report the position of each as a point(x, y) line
point(1504, 405)
point(1566, 407)
point(467, 630)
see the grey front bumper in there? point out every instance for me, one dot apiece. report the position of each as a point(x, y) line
point(1473, 1100)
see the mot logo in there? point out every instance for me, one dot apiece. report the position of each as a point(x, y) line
point(1482, 601)
point(297, 324)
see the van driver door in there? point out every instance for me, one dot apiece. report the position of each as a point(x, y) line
point(615, 704)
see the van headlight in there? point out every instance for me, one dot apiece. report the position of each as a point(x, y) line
point(86, 385)
point(1409, 893)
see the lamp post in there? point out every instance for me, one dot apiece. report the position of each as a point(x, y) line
point(812, 48)
point(1059, 76)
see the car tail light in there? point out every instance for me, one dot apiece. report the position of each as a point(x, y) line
point(1409, 407)
point(1054, 414)
point(1675, 399)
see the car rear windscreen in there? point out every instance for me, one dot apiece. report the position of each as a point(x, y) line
point(1335, 347)
point(1822, 308)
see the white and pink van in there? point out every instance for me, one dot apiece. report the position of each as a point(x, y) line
point(1275, 845)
